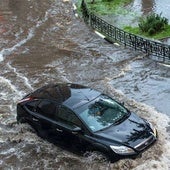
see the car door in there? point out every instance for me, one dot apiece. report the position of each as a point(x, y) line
point(46, 110)
point(69, 124)
point(41, 117)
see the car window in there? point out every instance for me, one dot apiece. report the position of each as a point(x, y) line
point(67, 116)
point(102, 113)
point(47, 108)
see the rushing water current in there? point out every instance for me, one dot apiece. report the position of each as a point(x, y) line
point(43, 42)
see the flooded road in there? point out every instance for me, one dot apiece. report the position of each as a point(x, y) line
point(43, 42)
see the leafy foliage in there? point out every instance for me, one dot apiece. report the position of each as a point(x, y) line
point(153, 24)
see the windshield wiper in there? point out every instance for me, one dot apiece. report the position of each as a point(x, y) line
point(122, 119)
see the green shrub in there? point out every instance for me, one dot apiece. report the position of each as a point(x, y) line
point(153, 24)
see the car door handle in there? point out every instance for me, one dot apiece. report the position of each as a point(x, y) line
point(34, 119)
point(59, 130)
point(74, 133)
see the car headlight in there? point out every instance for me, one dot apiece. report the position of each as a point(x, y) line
point(122, 150)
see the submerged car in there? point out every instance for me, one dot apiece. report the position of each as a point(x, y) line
point(79, 117)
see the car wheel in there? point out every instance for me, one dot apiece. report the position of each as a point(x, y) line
point(97, 156)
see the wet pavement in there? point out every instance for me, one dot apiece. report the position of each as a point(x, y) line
point(44, 42)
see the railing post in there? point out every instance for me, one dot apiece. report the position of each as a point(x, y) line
point(124, 38)
point(90, 23)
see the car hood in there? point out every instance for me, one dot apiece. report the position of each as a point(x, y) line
point(130, 132)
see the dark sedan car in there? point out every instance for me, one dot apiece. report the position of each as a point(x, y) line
point(87, 120)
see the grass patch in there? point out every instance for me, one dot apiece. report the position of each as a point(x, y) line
point(103, 7)
point(160, 35)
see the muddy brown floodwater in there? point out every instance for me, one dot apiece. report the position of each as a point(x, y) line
point(43, 42)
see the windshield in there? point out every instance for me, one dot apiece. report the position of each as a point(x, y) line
point(102, 113)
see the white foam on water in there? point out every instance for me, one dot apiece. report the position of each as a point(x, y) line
point(21, 76)
point(11, 94)
point(9, 84)
point(8, 51)
point(1, 57)
point(11, 150)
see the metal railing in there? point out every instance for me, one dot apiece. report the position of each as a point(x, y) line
point(114, 34)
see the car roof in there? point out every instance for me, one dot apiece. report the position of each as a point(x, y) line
point(67, 94)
